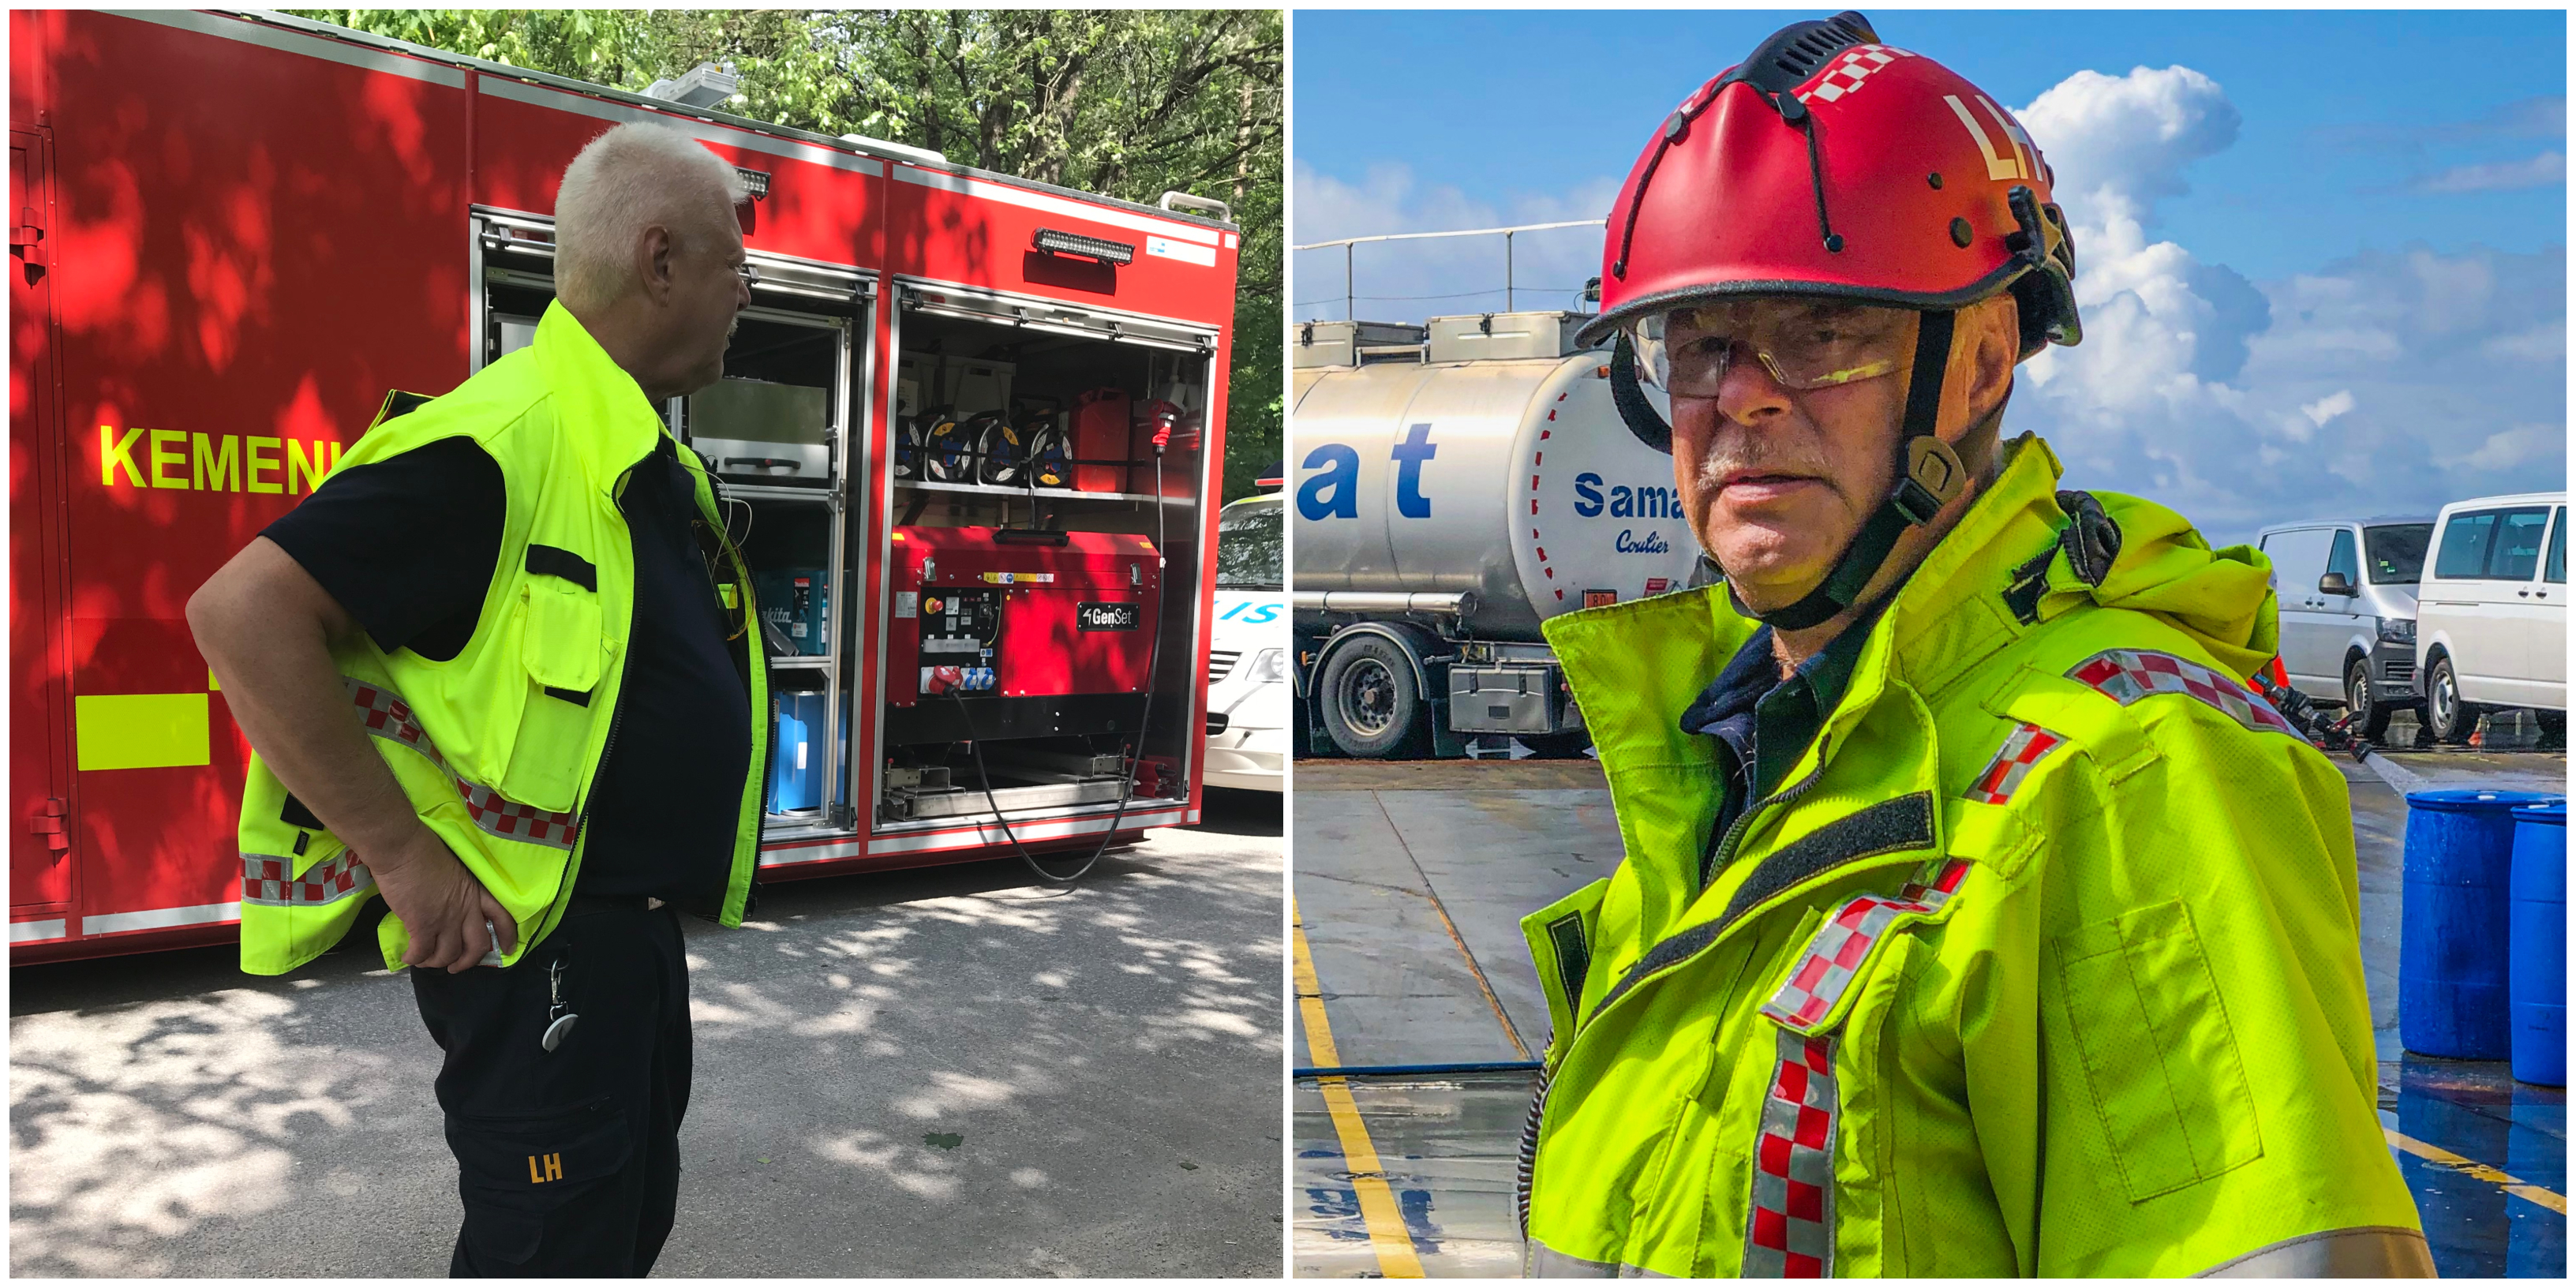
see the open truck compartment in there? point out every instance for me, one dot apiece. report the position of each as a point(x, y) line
point(1036, 532)
point(938, 360)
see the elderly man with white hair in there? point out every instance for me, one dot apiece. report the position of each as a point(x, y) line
point(503, 668)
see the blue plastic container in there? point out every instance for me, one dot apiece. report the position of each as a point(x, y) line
point(2539, 971)
point(796, 765)
point(2452, 997)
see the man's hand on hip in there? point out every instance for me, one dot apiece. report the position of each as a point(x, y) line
point(265, 628)
point(451, 918)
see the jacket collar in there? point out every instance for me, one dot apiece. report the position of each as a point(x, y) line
point(1636, 667)
point(603, 417)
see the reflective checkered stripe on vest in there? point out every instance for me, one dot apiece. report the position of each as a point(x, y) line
point(1790, 1232)
point(388, 717)
point(302, 890)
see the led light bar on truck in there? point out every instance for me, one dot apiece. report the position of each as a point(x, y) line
point(1102, 249)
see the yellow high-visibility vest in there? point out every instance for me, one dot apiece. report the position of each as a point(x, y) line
point(497, 748)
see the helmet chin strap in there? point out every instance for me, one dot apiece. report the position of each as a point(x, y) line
point(1929, 475)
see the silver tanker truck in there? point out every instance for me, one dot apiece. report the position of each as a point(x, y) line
point(1458, 484)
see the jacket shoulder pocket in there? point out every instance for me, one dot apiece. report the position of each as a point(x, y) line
point(2160, 1059)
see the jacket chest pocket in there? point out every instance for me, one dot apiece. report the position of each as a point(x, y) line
point(563, 649)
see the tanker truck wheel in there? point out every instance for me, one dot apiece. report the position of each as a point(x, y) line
point(1372, 707)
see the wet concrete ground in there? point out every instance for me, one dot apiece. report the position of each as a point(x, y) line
point(949, 1072)
point(1410, 882)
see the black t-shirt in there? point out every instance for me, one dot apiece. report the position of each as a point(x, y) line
point(408, 546)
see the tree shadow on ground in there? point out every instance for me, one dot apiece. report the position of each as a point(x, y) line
point(952, 1071)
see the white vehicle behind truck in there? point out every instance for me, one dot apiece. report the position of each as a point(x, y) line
point(2491, 617)
point(2346, 590)
point(1458, 484)
point(1248, 699)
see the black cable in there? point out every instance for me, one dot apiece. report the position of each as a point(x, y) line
point(1416, 1070)
point(1126, 780)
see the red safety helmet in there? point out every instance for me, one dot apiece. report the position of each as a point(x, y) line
point(1827, 164)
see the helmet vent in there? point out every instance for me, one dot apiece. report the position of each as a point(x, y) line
point(1809, 52)
point(1795, 52)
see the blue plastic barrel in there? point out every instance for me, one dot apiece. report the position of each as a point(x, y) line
point(2539, 970)
point(2452, 995)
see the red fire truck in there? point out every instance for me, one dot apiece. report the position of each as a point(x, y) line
point(235, 232)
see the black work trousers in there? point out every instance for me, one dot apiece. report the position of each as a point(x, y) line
point(568, 1160)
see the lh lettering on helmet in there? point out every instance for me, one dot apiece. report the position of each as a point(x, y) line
point(2023, 148)
point(1999, 166)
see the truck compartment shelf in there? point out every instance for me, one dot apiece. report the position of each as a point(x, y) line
point(1024, 493)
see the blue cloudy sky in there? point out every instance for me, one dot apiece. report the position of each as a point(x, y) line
point(2321, 255)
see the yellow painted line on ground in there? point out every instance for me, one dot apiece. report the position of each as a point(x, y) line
point(2513, 1185)
point(1378, 1208)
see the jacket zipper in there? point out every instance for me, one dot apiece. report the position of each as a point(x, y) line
point(1530, 1127)
point(1734, 836)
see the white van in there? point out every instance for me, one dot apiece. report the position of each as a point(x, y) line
point(2491, 617)
point(2347, 601)
point(1248, 695)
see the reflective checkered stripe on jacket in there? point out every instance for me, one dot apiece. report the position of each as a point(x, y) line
point(270, 880)
point(2128, 674)
point(388, 716)
point(2022, 749)
point(1791, 1231)
point(1791, 1235)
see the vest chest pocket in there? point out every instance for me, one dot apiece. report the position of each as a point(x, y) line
point(561, 647)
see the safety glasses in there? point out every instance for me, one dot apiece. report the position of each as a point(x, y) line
point(1803, 344)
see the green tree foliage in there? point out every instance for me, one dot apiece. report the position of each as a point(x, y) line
point(1129, 103)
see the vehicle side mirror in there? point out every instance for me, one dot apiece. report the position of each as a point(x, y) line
point(2335, 583)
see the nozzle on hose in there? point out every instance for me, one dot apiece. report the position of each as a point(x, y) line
point(1162, 416)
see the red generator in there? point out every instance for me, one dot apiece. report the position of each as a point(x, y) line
point(235, 230)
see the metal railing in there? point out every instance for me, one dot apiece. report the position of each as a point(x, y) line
point(1346, 243)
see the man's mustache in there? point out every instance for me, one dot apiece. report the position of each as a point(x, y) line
point(1748, 453)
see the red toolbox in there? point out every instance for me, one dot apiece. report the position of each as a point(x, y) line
point(1036, 633)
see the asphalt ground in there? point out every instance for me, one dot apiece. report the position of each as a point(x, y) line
point(947, 1072)
point(1410, 882)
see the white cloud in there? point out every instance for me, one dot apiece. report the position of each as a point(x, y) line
point(2521, 445)
point(2328, 407)
point(2390, 381)
point(2119, 144)
point(2549, 169)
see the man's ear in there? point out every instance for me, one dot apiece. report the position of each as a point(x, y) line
point(1995, 349)
point(654, 266)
